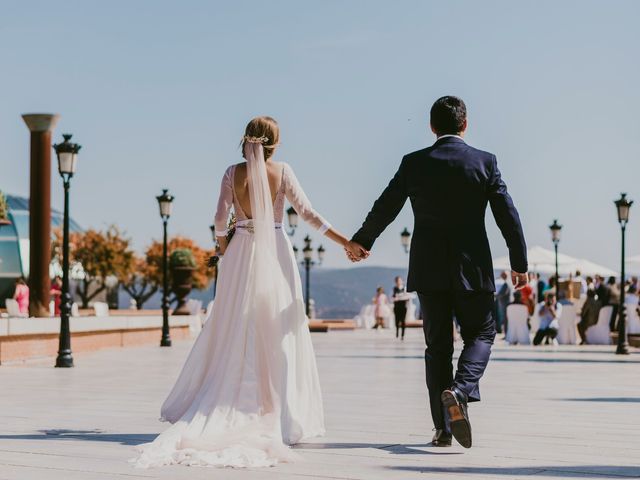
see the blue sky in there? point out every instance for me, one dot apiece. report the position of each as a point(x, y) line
point(158, 94)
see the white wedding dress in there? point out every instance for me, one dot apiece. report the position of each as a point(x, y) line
point(249, 387)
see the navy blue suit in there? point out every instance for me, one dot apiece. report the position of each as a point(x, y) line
point(450, 185)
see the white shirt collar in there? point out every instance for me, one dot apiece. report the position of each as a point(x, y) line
point(449, 135)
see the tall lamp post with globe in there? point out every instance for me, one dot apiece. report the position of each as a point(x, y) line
point(307, 262)
point(67, 153)
point(164, 202)
point(623, 205)
point(556, 229)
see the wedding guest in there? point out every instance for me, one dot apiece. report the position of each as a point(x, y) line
point(613, 301)
point(21, 295)
point(602, 292)
point(400, 305)
point(590, 284)
point(528, 298)
point(583, 282)
point(551, 287)
point(549, 314)
point(542, 286)
point(588, 315)
point(503, 296)
point(381, 302)
point(56, 293)
point(631, 297)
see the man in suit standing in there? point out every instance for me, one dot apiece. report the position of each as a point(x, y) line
point(450, 184)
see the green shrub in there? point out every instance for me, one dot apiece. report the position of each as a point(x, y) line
point(182, 257)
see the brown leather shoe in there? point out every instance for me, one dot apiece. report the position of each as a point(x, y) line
point(441, 439)
point(456, 406)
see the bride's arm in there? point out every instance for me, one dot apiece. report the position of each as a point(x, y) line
point(303, 207)
point(225, 202)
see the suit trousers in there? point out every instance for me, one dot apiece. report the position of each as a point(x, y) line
point(474, 312)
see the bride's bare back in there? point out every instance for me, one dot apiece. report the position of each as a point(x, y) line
point(241, 184)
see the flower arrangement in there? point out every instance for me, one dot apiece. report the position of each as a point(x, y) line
point(231, 230)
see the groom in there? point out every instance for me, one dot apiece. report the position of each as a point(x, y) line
point(450, 184)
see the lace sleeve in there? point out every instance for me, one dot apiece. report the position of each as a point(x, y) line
point(301, 203)
point(225, 201)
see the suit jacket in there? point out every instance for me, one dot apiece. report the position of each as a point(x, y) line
point(449, 185)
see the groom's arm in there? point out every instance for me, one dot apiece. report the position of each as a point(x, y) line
point(384, 210)
point(507, 219)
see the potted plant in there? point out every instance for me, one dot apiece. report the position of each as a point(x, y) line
point(4, 210)
point(182, 265)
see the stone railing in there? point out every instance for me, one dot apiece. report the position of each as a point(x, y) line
point(23, 339)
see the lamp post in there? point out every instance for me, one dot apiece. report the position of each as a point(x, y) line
point(623, 205)
point(292, 216)
point(307, 262)
point(556, 229)
point(215, 260)
point(67, 153)
point(164, 202)
point(405, 239)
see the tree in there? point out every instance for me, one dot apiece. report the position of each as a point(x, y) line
point(202, 274)
point(142, 283)
point(101, 254)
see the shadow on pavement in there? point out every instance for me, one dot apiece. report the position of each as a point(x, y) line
point(560, 471)
point(86, 435)
point(413, 449)
point(605, 399)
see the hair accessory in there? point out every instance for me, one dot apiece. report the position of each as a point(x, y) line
point(261, 140)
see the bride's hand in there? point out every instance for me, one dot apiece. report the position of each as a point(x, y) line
point(222, 245)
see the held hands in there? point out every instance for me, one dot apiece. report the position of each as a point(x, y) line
point(355, 252)
point(519, 280)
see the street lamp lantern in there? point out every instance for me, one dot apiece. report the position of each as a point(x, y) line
point(321, 251)
point(164, 202)
point(623, 205)
point(405, 239)
point(296, 252)
point(292, 216)
point(67, 153)
point(556, 229)
point(307, 252)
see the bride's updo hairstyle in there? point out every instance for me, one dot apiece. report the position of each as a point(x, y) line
point(264, 130)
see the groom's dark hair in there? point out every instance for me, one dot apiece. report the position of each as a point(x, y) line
point(448, 115)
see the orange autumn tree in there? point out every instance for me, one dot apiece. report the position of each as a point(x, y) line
point(101, 254)
point(148, 279)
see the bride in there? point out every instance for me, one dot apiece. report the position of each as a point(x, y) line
point(249, 387)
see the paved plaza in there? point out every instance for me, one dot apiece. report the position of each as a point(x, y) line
point(548, 412)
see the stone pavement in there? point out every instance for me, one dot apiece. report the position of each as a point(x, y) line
point(548, 412)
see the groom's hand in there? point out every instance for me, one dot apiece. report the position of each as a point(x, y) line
point(355, 251)
point(519, 280)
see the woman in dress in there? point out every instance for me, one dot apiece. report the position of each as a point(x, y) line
point(381, 311)
point(21, 295)
point(249, 387)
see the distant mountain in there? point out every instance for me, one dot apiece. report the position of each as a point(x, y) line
point(338, 293)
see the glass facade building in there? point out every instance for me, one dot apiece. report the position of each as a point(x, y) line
point(14, 243)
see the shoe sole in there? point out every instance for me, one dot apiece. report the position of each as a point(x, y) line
point(440, 444)
point(460, 426)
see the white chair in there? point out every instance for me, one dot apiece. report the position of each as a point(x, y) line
point(517, 328)
point(567, 326)
point(366, 318)
point(633, 319)
point(13, 309)
point(52, 308)
point(598, 334)
point(194, 306)
point(534, 321)
point(75, 310)
point(101, 309)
